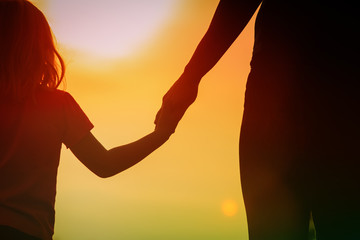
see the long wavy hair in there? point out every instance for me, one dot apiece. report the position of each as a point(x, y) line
point(28, 56)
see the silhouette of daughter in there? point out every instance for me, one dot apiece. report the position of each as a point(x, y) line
point(36, 119)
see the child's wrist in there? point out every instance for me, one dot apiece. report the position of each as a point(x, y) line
point(162, 135)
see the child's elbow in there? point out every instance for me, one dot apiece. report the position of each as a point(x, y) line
point(103, 167)
point(102, 170)
point(104, 173)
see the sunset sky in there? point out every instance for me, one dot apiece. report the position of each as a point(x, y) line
point(121, 58)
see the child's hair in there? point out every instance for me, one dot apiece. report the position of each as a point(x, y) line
point(28, 57)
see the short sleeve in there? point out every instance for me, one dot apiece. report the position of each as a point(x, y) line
point(77, 124)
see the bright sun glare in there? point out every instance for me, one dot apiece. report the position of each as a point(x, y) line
point(109, 28)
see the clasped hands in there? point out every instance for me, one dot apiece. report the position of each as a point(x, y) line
point(175, 103)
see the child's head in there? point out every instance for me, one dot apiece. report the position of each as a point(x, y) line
point(28, 57)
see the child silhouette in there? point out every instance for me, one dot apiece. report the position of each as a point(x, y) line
point(37, 118)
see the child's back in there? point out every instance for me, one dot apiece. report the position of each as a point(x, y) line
point(36, 119)
point(31, 134)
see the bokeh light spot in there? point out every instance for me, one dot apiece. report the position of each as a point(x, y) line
point(229, 207)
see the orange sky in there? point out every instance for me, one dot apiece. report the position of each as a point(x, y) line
point(179, 191)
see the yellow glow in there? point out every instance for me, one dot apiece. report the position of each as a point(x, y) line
point(229, 207)
point(108, 28)
point(178, 191)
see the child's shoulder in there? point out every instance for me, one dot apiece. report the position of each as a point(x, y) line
point(53, 95)
point(41, 96)
point(51, 100)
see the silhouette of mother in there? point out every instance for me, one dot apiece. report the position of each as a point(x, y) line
point(300, 128)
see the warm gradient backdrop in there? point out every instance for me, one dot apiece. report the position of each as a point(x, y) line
point(190, 187)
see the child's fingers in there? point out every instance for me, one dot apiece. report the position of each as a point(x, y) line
point(157, 116)
point(167, 119)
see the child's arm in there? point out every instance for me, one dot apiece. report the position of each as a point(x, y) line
point(106, 163)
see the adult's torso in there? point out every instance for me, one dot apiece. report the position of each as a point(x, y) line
point(307, 32)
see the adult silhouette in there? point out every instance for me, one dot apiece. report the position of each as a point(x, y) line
point(300, 129)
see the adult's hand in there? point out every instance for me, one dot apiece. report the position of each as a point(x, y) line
point(177, 100)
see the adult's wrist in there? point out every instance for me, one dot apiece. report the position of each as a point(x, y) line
point(191, 76)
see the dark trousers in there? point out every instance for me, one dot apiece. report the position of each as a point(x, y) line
point(9, 233)
point(299, 153)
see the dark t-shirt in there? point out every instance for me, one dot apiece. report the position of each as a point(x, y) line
point(310, 35)
point(31, 135)
point(307, 32)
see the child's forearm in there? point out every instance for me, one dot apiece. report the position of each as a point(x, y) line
point(121, 158)
point(106, 163)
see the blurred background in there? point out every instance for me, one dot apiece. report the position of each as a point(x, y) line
point(121, 58)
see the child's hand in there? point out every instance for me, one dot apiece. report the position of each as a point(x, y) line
point(167, 121)
point(175, 103)
point(179, 97)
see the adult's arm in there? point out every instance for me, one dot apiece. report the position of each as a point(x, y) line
point(230, 18)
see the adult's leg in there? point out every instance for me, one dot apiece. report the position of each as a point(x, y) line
point(275, 206)
point(336, 208)
point(9, 233)
point(271, 154)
